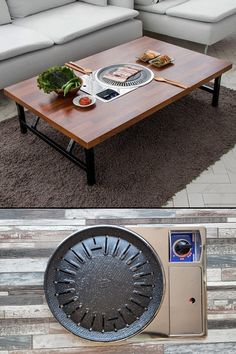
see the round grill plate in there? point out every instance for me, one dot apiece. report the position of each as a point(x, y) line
point(104, 283)
point(141, 78)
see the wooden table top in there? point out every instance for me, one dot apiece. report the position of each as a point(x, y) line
point(89, 127)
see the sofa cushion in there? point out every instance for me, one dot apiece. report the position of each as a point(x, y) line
point(145, 2)
point(66, 23)
point(204, 11)
point(160, 7)
point(96, 2)
point(19, 40)
point(4, 13)
point(23, 8)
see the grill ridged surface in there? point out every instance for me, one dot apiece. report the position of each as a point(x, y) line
point(141, 78)
point(104, 283)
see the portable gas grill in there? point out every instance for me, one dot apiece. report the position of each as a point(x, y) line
point(108, 283)
point(107, 90)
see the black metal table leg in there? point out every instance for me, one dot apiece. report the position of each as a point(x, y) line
point(90, 166)
point(21, 116)
point(216, 92)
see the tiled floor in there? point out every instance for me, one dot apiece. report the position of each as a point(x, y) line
point(215, 187)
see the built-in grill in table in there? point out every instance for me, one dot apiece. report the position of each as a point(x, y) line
point(107, 90)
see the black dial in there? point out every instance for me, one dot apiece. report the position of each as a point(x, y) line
point(182, 248)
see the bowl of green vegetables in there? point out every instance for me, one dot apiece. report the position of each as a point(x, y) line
point(61, 80)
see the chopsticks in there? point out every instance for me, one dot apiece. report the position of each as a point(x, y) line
point(72, 65)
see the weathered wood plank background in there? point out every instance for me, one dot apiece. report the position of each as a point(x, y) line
point(27, 239)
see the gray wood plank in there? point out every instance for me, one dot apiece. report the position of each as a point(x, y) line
point(37, 233)
point(4, 293)
point(67, 340)
point(22, 265)
point(228, 274)
point(154, 220)
point(108, 349)
point(6, 254)
point(28, 214)
point(94, 213)
point(221, 261)
point(41, 222)
point(212, 232)
point(19, 300)
point(223, 324)
point(19, 327)
point(10, 281)
point(221, 308)
point(15, 342)
point(223, 294)
point(55, 328)
point(221, 243)
point(214, 348)
point(206, 212)
point(227, 232)
point(213, 274)
point(118, 213)
point(146, 213)
point(27, 245)
point(26, 292)
point(29, 311)
point(221, 285)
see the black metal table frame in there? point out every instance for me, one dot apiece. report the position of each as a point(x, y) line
point(89, 164)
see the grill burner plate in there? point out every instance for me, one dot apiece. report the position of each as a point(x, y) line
point(104, 283)
point(141, 78)
point(95, 83)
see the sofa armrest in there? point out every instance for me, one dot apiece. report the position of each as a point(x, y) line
point(122, 3)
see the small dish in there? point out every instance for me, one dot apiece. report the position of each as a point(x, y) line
point(148, 55)
point(161, 60)
point(77, 99)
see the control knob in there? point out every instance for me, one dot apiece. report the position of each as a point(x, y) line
point(182, 248)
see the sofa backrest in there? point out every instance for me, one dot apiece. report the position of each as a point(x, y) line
point(122, 3)
point(23, 8)
point(4, 13)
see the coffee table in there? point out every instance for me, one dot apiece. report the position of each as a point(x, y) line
point(90, 127)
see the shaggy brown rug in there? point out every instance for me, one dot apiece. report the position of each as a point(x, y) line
point(143, 166)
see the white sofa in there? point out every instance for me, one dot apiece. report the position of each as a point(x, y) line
point(201, 21)
point(35, 34)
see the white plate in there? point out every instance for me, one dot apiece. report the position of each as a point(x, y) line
point(78, 98)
